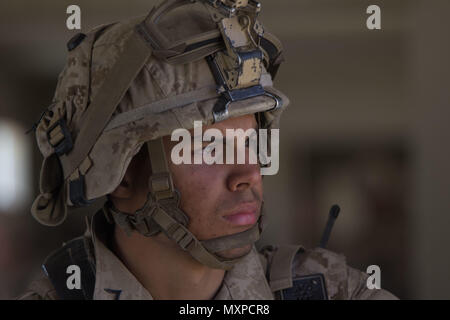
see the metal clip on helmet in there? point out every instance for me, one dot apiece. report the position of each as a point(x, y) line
point(131, 83)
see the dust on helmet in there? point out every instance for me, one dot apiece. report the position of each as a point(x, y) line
point(130, 83)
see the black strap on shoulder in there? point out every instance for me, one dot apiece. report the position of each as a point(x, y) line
point(74, 252)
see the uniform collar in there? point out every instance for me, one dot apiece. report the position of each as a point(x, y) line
point(113, 280)
point(245, 281)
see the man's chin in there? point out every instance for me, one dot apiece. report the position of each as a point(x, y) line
point(236, 252)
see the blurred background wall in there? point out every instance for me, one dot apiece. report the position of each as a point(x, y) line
point(367, 128)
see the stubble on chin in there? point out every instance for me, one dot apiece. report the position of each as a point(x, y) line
point(236, 252)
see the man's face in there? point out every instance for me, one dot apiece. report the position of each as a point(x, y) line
point(220, 199)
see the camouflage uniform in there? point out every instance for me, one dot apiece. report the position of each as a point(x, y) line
point(131, 83)
point(248, 280)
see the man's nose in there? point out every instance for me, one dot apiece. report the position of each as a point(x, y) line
point(244, 176)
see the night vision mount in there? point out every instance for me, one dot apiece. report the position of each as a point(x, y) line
point(236, 47)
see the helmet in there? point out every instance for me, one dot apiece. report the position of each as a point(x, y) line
point(131, 83)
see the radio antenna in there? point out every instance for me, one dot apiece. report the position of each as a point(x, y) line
point(334, 213)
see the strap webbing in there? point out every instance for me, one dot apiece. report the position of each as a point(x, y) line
point(182, 99)
point(186, 240)
point(157, 156)
point(140, 220)
point(281, 267)
point(236, 240)
point(117, 82)
point(161, 187)
point(162, 190)
point(160, 182)
point(168, 103)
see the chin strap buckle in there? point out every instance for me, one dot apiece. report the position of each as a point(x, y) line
point(59, 137)
point(181, 236)
point(161, 186)
point(77, 192)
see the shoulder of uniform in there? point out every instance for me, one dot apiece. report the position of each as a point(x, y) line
point(285, 263)
point(319, 260)
point(43, 288)
point(332, 265)
point(341, 281)
point(39, 289)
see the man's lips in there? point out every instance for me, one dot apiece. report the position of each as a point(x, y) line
point(244, 215)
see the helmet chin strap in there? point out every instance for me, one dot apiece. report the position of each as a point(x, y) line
point(161, 212)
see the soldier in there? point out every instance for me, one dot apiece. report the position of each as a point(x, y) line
point(171, 231)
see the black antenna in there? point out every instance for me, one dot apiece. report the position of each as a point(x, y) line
point(334, 213)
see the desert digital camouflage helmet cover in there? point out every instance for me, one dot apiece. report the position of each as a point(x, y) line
point(131, 83)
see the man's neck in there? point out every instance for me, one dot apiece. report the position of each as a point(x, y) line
point(164, 270)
